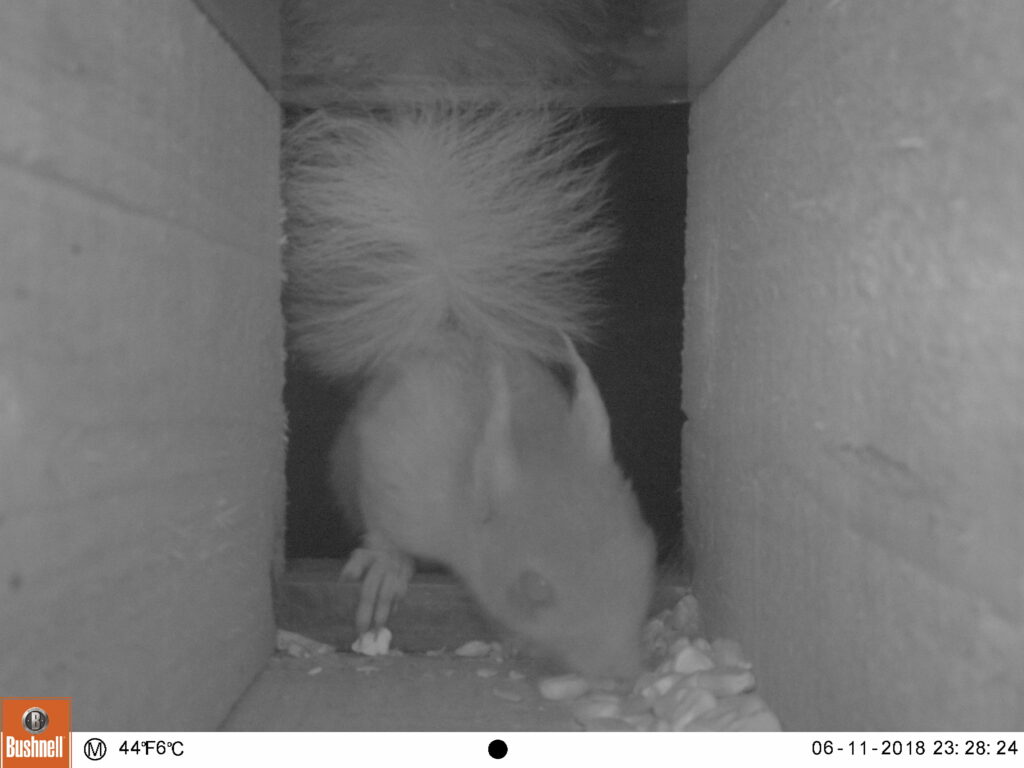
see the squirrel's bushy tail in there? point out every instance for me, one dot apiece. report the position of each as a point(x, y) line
point(480, 220)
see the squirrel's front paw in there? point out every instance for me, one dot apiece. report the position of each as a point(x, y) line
point(385, 574)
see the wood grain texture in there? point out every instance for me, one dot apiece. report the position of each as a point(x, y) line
point(853, 459)
point(141, 448)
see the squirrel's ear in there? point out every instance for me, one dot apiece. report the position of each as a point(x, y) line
point(589, 417)
point(494, 466)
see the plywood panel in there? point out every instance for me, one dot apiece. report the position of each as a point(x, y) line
point(141, 426)
point(253, 29)
point(716, 31)
point(854, 361)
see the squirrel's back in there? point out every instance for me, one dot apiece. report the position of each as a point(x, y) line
point(441, 217)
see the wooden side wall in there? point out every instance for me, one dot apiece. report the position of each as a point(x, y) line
point(141, 424)
point(853, 367)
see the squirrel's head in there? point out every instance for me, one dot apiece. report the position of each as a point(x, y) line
point(562, 554)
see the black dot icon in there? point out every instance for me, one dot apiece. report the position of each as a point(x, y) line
point(497, 749)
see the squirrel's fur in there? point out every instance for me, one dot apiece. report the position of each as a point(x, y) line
point(441, 253)
point(484, 220)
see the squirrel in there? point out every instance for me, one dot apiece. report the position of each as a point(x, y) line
point(442, 256)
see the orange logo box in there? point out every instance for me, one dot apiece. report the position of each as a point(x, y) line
point(36, 733)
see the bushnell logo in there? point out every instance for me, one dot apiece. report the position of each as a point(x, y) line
point(36, 733)
point(35, 720)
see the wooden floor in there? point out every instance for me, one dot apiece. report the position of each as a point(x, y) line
point(395, 693)
point(426, 688)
